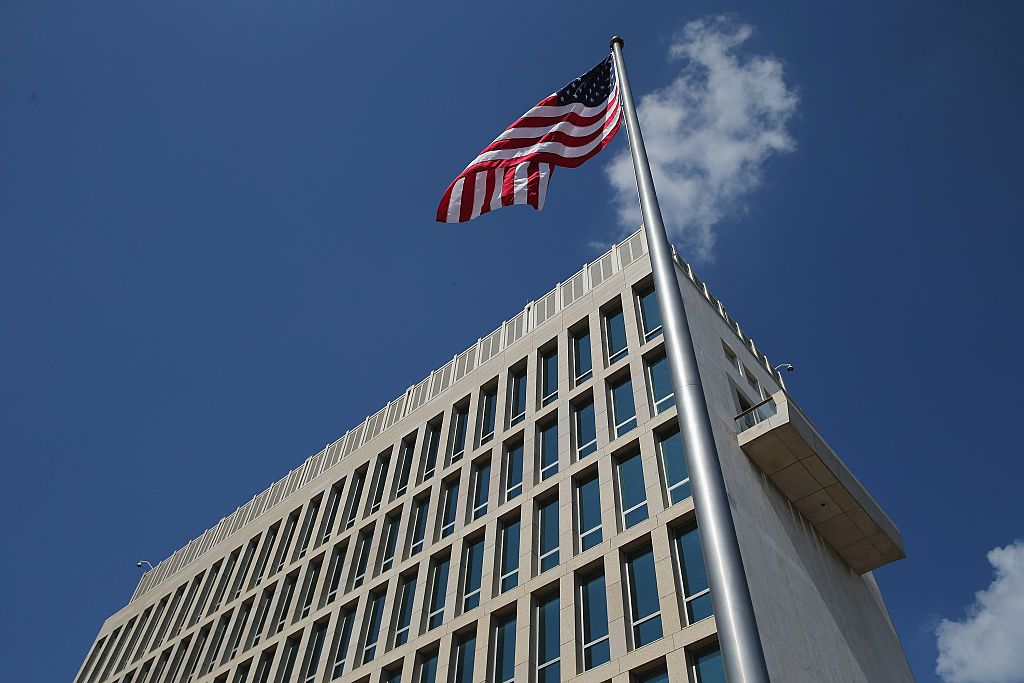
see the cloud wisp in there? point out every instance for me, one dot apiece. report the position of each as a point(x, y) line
point(708, 133)
point(987, 645)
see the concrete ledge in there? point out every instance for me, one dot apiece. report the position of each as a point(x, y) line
point(790, 451)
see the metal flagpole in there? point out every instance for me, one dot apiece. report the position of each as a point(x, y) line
point(730, 595)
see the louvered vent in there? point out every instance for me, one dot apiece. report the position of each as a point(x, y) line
point(602, 269)
point(573, 289)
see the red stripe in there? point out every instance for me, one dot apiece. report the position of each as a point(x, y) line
point(489, 191)
point(532, 183)
point(442, 208)
point(548, 121)
point(508, 186)
point(567, 139)
point(549, 157)
point(468, 190)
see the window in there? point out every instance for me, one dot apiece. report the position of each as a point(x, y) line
point(508, 577)
point(286, 600)
point(374, 612)
point(461, 420)
point(642, 589)
point(419, 526)
point(594, 621)
point(673, 464)
point(438, 591)
point(548, 641)
point(261, 617)
point(307, 529)
point(474, 568)
point(505, 649)
point(547, 450)
point(427, 672)
point(380, 476)
point(632, 491)
point(262, 669)
point(693, 576)
point(333, 503)
point(752, 381)
point(549, 377)
point(588, 501)
point(392, 676)
point(218, 640)
point(548, 544)
point(261, 564)
point(243, 568)
point(449, 508)
point(615, 335)
point(362, 558)
point(657, 675)
point(286, 540)
point(316, 649)
point(336, 568)
point(662, 392)
point(355, 494)
point(481, 485)
point(513, 471)
point(581, 361)
point(430, 449)
point(464, 653)
point(342, 637)
point(586, 428)
point(731, 356)
point(488, 410)
point(708, 667)
point(407, 594)
point(236, 633)
point(309, 589)
point(291, 652)
point(404, 468)
point(650, 314)
point(623, 408)
point(211, 579)
point(390, 543)
point(517, 397)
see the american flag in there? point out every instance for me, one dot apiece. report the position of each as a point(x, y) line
point(564, 129)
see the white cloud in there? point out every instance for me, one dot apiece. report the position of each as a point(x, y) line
point(708, 133)
point(987, 646)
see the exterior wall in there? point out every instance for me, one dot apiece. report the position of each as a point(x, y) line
point(819, 620)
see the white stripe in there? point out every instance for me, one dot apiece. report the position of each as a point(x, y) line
point(478, 193)
point(499, 179)
point(522, 182)
point(455, 202)
point(577, 107)
point(563, 127)
point(542, 190)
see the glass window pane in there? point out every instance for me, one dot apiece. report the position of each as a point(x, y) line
point(616, 327)
point(549, 368)
point(459, 443)
point(661, 384)
point(582, 364)
point(586, 429)
point(489, 410)
point(659, 675)
point(590, 512)
point(465, 654)
point(428, 668)
point(674, 462)
point(549, 535)
point(474, 572)
point(514, 472)
point(643, 596)
point(547, 630)
point(509, 555)
point(632, 490)
point(594, 601)
point(623, 407)
point(518, 390)
point(709, 667)
point(438, 590)
point(549, 450)
point(650, 314)
point(505, 650)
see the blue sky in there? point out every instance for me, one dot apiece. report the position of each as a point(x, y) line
point(217, 253)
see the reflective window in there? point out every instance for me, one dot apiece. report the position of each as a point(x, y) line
point(474, 569)
point(362, 558)
point(548, 528)
point(548, 641)
point(449, 509)
point(662, 393)
point(623, 408)
point(309, 589)
point(549, 377)
point(488, 411)
point(615, 335)
point(505, 649)
point(430, 449)
point(461, 422)
point(316, 649)
point(463, 657)
point(586, 428)
point(380, 475)
point(658, 675)
point(644, 608)
point(650, 314)
point(419, 526)
point(286, 601)
point(581, 360)
point(632, 491)
point(355, 494)
point(404, 468)
point(438, 592)
point(517, 391)
point(708, 667)
point(588, 499)
point(693, 575)
point(427, 668)
point(336, 568)
point(307, 531)
point(513, 471)
point(481, 486)
point(374, 612)
point(594, 621)
point(390, 543)
point(342, 638)
point(547, 450)
point(407, 594)
point(509, 569)
point(673, 465)
point(333, 503)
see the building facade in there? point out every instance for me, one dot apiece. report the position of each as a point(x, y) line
point(524, 514)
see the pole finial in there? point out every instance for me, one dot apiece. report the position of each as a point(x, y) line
point(616, 39)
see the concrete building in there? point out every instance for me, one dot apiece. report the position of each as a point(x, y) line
point(524, 514)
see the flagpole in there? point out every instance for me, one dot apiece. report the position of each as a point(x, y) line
point(734, 612)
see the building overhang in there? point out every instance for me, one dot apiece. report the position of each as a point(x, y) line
point(785, 445)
